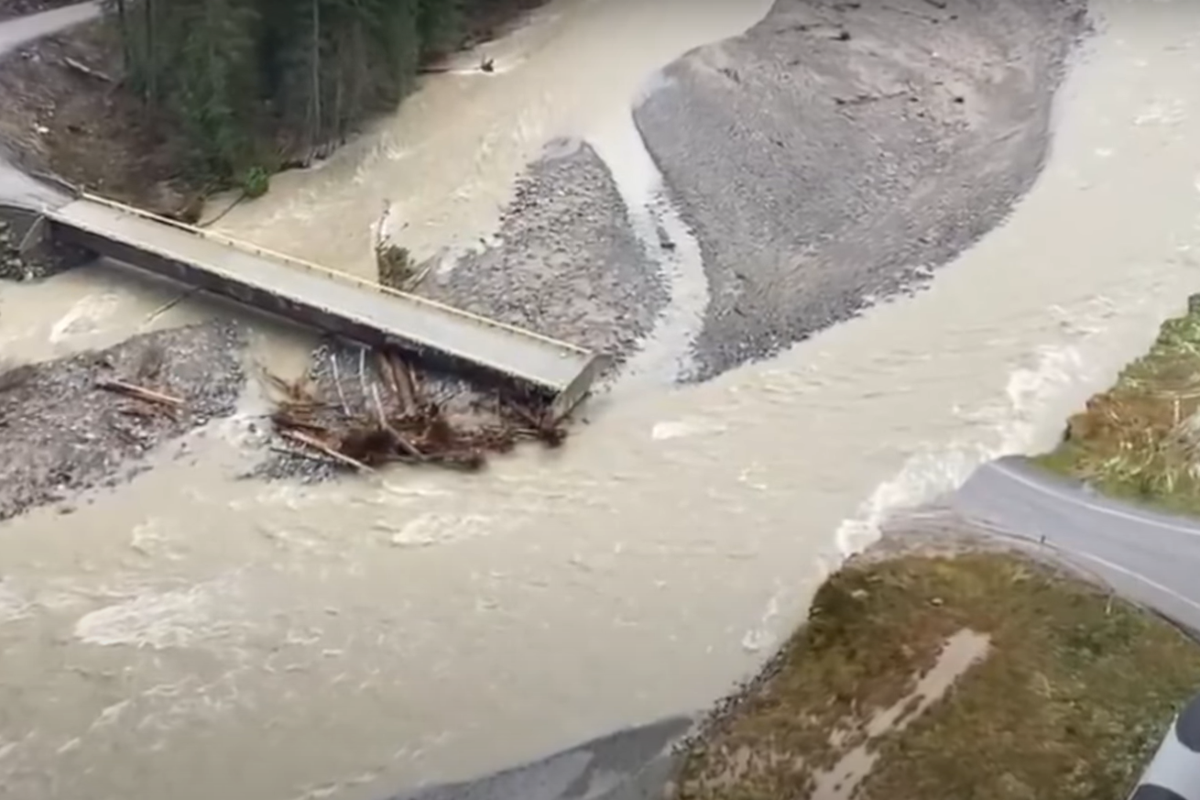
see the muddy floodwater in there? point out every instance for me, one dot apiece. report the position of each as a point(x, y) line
point(191, 635)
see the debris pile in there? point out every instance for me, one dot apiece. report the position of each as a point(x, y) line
point(27, 253)
point(361, 409)
point(12, 265)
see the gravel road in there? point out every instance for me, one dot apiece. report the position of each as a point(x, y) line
point(839, 150)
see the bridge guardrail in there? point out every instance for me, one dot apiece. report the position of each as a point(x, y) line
point(333, 274)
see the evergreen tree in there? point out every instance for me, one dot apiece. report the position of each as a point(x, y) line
point(230, 72)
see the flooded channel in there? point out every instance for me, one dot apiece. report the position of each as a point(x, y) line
point(192, 635)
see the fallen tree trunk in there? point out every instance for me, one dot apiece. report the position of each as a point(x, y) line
point(84, 69)
point(139, 392)
point(297, 436)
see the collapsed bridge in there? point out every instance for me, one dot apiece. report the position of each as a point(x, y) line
point(318, 297)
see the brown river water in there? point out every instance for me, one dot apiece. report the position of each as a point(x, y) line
point(192, 636)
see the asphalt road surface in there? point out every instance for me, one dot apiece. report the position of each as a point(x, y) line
point(1149, 557)
point(633, 764)
point(15, 186)
point(18, 31)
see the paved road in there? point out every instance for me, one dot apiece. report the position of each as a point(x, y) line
point(1150, 557)
point(632, 764)
point(16, 32)
point(15, 186)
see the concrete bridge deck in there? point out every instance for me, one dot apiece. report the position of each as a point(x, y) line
point(325, 299)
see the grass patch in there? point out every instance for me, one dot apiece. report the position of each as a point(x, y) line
point(1140, 439)
point(1067, 699)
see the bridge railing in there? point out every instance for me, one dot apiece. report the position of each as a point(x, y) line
point(332, 274)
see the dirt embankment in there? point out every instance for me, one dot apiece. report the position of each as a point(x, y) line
point(983, 675)
point(1139, 440)
point(82, 421)
point(65, 109)
point(57, 118)
point(837, 150)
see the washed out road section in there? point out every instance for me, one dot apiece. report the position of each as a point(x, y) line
point(1147, 556)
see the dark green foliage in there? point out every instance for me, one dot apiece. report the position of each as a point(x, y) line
point(440, 24)
point(256, 182)
point(253, 82)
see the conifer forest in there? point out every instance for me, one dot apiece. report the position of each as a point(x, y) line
point(234, 75)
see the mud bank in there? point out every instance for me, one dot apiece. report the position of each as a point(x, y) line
point(565, 262)
point(836, 152)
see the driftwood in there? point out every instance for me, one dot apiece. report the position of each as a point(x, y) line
point(487, 65)
point(318, 445)
point(392, 421)
point(406, 383)
point(84, 69)
point(167, 306)
point(139, 393)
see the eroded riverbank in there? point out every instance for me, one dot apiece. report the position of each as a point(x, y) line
point(642, 570)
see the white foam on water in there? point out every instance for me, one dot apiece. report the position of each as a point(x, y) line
point(668, 243)
point(685, 427)
point(13, 606)
point(436, 528)
point(162, 619)
point(1033, 409)
point(85, 316)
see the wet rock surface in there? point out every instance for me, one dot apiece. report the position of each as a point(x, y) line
point(566, 263)
point(60, 432)
point(837, 151)
point(632, 764)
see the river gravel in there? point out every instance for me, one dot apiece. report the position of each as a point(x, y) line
point(63, 434)
point(837, 152)
point(566, 262)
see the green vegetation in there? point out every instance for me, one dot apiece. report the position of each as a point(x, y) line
point(1140, 439)
point(1065, 698)
point(395, 266)
point(256, 182)
point(254, 82)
